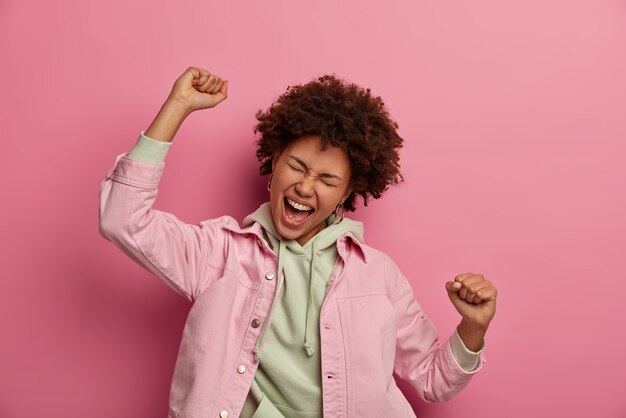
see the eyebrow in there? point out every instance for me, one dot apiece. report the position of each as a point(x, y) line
point(306, 167)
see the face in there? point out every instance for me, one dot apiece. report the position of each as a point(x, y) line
point(306, 187)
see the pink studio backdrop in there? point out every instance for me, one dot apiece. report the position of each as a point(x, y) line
point(514, 119)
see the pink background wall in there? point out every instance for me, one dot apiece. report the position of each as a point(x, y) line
point(514, 119)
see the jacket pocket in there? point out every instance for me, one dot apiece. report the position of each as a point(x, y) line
point(368, 331)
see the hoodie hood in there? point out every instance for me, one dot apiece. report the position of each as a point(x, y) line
point(290, 253)
point(326, 237)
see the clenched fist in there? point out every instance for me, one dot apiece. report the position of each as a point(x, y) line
point(474, 298)
point(198, 89)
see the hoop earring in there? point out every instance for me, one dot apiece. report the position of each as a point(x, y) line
point(269, 183)
point(338, 218)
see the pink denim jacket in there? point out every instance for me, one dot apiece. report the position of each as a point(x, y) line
point(372, 329)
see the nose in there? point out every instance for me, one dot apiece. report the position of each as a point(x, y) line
point(305, 186)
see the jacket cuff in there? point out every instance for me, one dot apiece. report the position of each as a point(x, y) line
point(135, 173)
point(466, 359)
point(453, 370)
point(148, 150)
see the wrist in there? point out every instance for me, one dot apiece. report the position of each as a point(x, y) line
point(168, 120)
point(472, 334)
point(176, 108)
point(473, 326)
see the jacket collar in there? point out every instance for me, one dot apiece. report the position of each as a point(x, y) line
point(257, 230)
point(349, 236)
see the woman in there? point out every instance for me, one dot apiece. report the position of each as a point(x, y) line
point(293, 315)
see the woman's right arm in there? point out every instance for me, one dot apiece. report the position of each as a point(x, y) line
point(177, 252)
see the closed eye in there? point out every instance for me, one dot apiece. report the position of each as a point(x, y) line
point(327, 179)
point(294, 168)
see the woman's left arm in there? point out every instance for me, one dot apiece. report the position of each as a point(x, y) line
point(474, 298)
point(425, 363)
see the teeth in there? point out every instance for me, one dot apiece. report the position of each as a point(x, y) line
point(298, 205)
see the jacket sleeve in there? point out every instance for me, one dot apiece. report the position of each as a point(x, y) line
point(422, 362)
point(176, 252)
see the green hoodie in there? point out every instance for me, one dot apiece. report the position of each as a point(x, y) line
point(288, 380)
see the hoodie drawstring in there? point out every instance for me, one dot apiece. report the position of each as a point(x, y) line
point(309, 312)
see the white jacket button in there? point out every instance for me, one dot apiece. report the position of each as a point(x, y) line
point(241, 369)
point(223, 413)
point(269, 275)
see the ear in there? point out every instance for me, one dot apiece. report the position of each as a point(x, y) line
point(346, 195)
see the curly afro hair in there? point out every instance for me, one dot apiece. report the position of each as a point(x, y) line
point(342, 114)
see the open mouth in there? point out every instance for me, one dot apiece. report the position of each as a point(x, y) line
point(296, 213)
